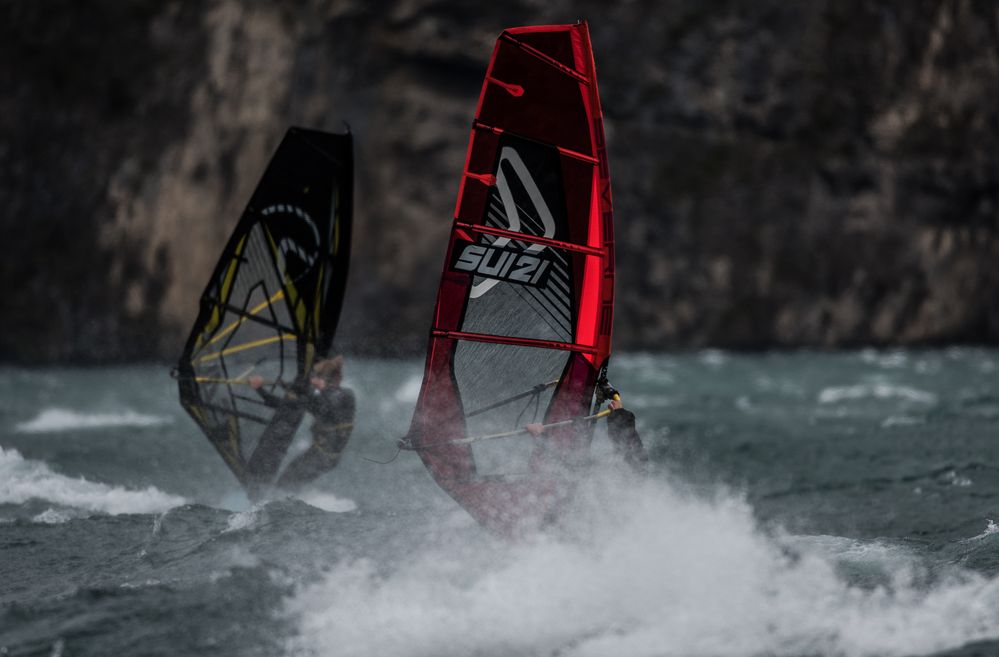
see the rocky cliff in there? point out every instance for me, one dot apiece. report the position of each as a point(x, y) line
point(785, 174)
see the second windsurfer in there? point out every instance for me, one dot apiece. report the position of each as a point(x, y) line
point(332, 407)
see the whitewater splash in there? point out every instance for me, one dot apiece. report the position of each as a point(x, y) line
point(328, 502)
point(247, 519)
point(25, 479)
point(61, 419)
point(406, 394)
point(409, 391)
point(656, 572)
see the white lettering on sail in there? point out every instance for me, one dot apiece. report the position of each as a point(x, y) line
point(510, 156)
point(501, 264)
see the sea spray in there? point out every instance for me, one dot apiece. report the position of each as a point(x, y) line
point(639, 569)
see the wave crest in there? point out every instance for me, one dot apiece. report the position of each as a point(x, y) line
point(25, 479)
point(61, 419)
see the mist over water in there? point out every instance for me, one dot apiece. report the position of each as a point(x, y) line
point(797, 504)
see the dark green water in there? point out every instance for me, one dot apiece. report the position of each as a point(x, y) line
point(799, 504)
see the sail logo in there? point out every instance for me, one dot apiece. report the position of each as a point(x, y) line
point(531, 267)
point(298, 246)
point(502, 264)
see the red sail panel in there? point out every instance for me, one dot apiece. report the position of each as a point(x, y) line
point(522, 327)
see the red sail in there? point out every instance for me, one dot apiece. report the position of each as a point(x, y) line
point(522, 325)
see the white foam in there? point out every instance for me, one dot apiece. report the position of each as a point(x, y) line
point(247, 519)
point(25, 479)
point(836, 394)
point(990, 528)
point(52, 517)
point(405, 395)
point(328, 502)
point(409, 391)
point(646, 368)
point(713, 357)
point(242, 520)
point(954, 479)
point(61, 419)
point(658, 573)
point(647, 402)
point(887, 360)
point(140, 585)
point(901, 421)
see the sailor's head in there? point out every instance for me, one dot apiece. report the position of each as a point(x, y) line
point(327, 372)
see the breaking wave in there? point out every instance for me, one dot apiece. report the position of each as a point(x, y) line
point(25, 479)
point(990, 528)
point(654, 571)
point(60, 419)
point(876, 391)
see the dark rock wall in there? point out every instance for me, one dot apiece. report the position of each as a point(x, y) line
point(785, 174)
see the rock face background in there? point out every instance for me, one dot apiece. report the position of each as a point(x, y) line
point(785, 174)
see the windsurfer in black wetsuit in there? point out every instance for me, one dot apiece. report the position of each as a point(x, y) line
point(624, 436)
point(332, 408)
point(620, 428)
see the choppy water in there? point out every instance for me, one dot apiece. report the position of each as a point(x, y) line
point(800, 504)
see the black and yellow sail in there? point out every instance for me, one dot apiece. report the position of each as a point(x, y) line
point(272, 304)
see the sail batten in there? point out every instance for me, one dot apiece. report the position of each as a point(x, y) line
point(522, 342)
point(551, 61)
point(532, 239)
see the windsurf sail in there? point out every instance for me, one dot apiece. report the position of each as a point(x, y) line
point(271, 306)
point(522, 326)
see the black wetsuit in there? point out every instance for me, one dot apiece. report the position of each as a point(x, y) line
point(333, 413)
point(624, 436)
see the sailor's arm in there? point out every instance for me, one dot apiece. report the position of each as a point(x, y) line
point(272, 400)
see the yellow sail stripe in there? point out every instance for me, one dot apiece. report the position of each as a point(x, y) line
point(245, 346)
point(234, 460)
point(224, 292)
point(218, 379)
point(239, 322)
point(294, 298)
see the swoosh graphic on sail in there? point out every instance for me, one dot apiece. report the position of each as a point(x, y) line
point(511, 156)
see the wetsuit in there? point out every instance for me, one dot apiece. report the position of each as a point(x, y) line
point(333, 413)
point(624, 436)
point(621, 429)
